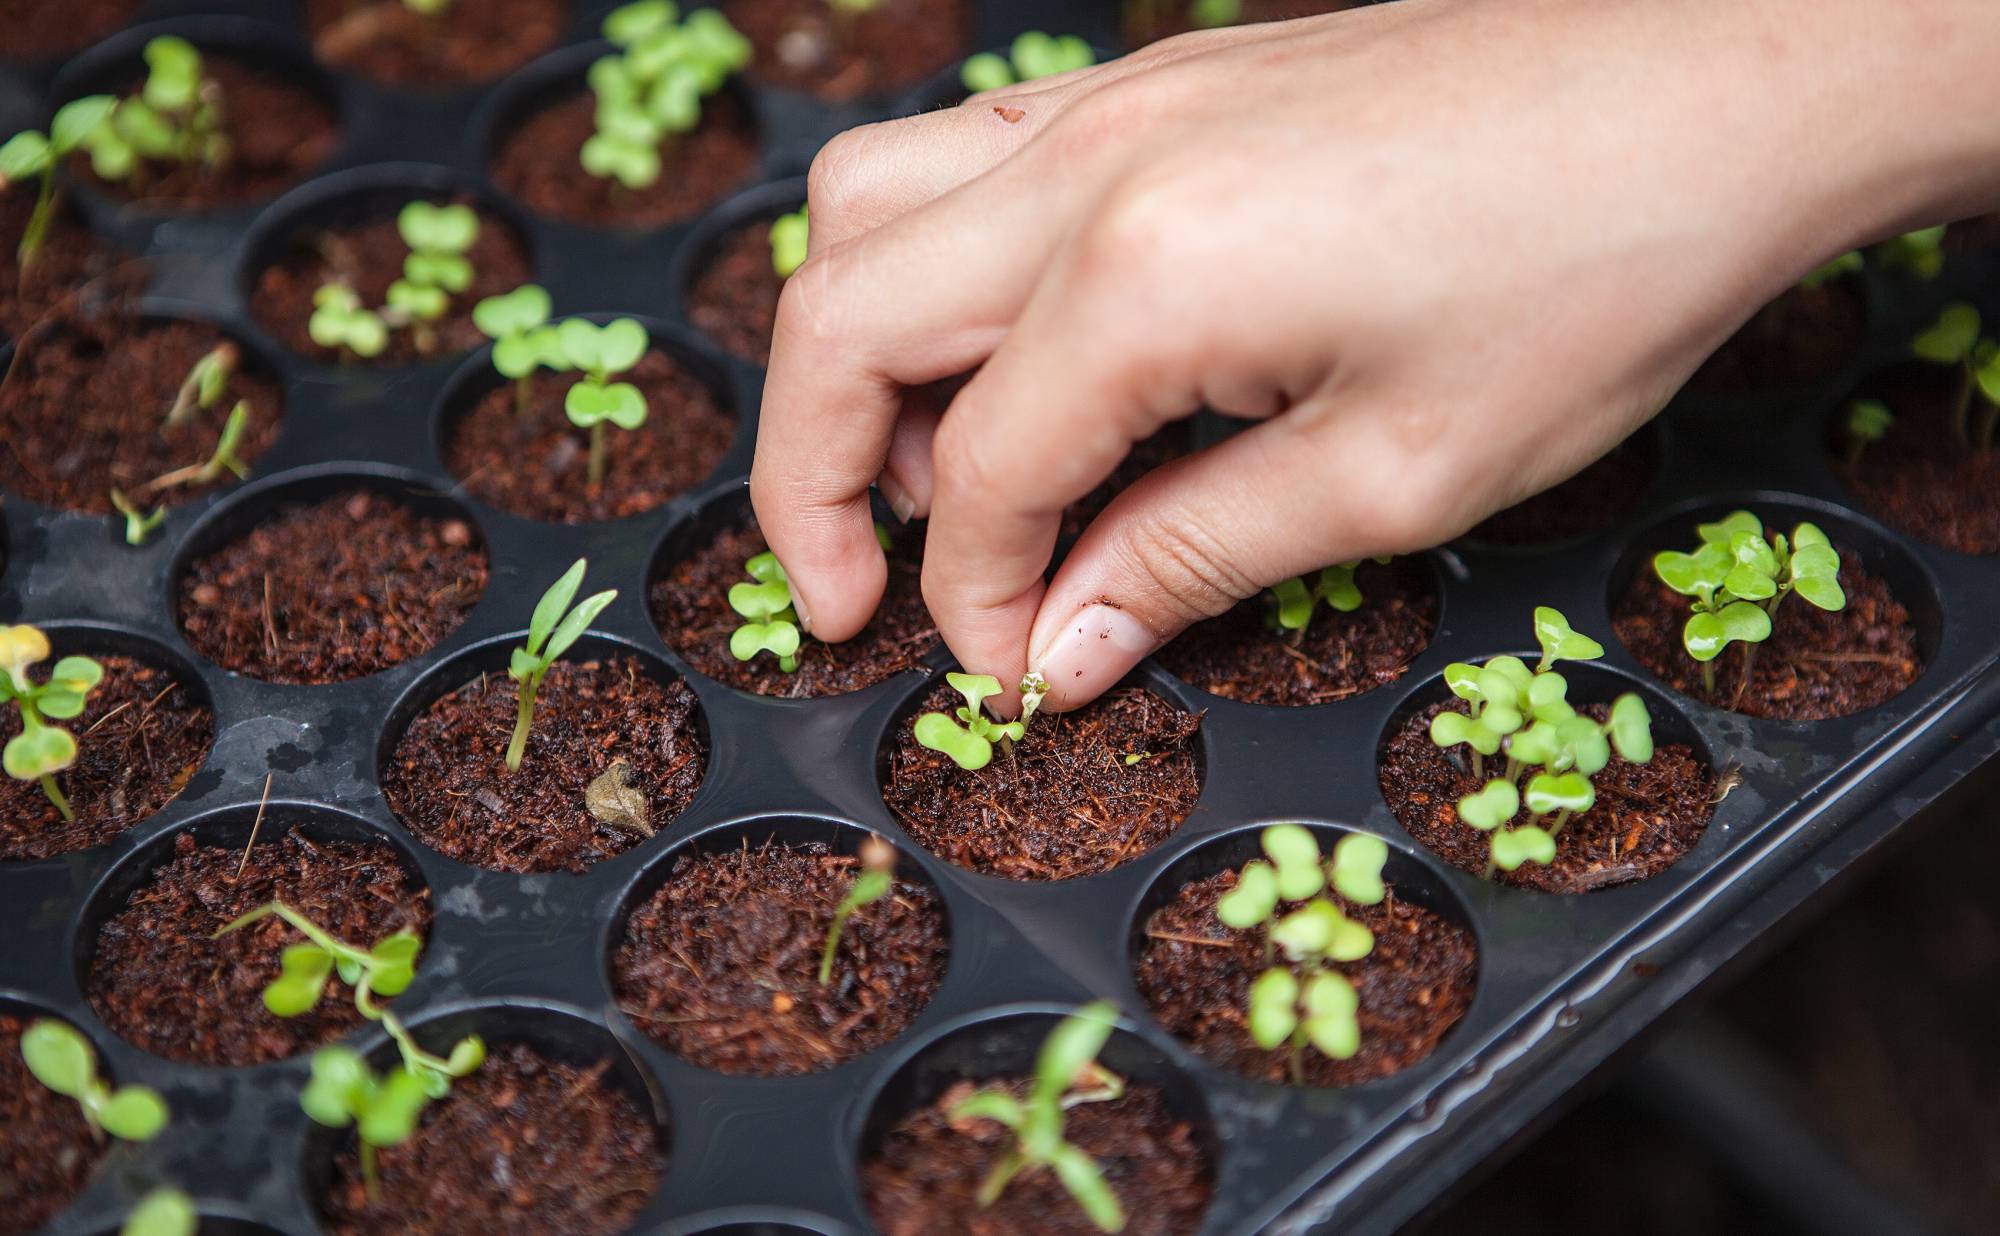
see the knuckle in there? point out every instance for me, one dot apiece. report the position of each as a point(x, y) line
point(805, 305)
point(838, 182)
point(962, 467)
point(1139, 228)
point(1191, 572)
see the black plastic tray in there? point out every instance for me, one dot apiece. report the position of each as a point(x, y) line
point(1563, 981)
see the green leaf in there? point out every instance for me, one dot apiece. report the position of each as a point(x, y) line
point(1337, 588)
point(761, 602)
point(1751, 583)
point(1559, 642)
point(513, 313)
point(390, 1115)
point(1535, 745)
point(1448, 729)
point(163, 1212)
point(133, 1114)
point(629, 23)
point(448, 271)
point(984, 72)
point(59, 1057)
point(1580, 744)
point(429, 228)
point(339, 1085)
point(1331, 1025)
point(938, 732)
point(791, 239)
point(1950, 340)
point(1318, 929)
point(37, 752)
point(1351, 941)
point(554, 604)
point(466, 1055)
point(420, 301)
point(175, 76)
point(1294, 604)
point(1463, 681)
point(1706, 635)
point(1523, 845)
point(996, 1105)
point(1724, 531)
point(780, 639)
point(1294, 852)
point(1070, 1047)
point(25, 154)
point(1570, 792)
point(1491, 806)
point(1823, 591)
point(303, 971)
point(1273, 1011)
point(976, 688)
point(1358, 860)
point(1253, 900)
point(1085, 1182)
point(633, 165)
point(75, 121)
point(1632, 728)
point(1548, 698)
point(577, 621)
point(1868, 420)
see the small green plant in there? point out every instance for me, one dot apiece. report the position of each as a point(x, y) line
point(1292, 601)
point(1832, 271)
point(436, 268)
point(428, 8)
point(1737, 579)
point(224, 458)
point(1955, 340)
point(1920, 253)
point(651, 93)
point(1034, 55)
point(523, 341)
point(138, 524)
point(41, 750)
point(872, 884)
point(1868, 422)
point(165, 1211)
point(791, 235)
point(601, 353)
point(1145, 16)
point(341, 322)
point(204, 384)
point(64, 1061)
point(32, 154)
point(969, 740)
point(175, 118)
point(1066, 1074)
point(384, 970)
point(771, 624)
point(552, 629)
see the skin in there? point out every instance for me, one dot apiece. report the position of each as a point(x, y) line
point(1445, 253)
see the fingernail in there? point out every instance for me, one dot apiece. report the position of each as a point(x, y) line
point(799, 611)
point(1092, 652)
point(901, 504)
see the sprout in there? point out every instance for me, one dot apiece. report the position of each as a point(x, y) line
point(1868, 422)
point(1921, 252)
point(878, 861)
point(651, 93)
point(41, 750)
point(1737, 580)
point(790, 237)
point(165, 1211)
point(428, 8)
point(1210, 14)
point(1955, 340)
point(518, 324)
point(203, 386)
point(436, 268)
point(552, 629)
point(340, 321)
point(1034, 55)
point(772, 622)
point(176, 117)
point(138, 524)
point(386, 970)
point(1292, 601)
point(599, 352)
point(31, 153)
point(969, 740)
point(344, 1091)
point(1066, 1074)
point(1838, 268)
point(223, 458)
point(63, 1060)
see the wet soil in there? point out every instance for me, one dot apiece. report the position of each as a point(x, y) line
point(537, 164)
point(1803, 335)
point(1920, 477)
point(803, 44)
point(48, 29)
point(47, 1151)
point(70, 257)
point(734, 298)
point(1594, 498)
point(474, 41)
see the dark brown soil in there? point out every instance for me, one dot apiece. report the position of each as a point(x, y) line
point(538, 467)
point(1918, 477)
point(800, 45)
point(721, 965)
point(368, 257)
point(157, 979)
point(926, 1176)
point(70, 257)
point(1803, 335)
point(278, 133)
point(47, 1151)
point(1815, 665)
point(1647, 815)
point(1241, 657)
point(1978, 232)
point(526, 1146)
point(1592, 499)
point(331, 590)
point(538, 165)
point(448, 780)
point(84, 411)
point(1196, 973)
point(46, 29)
point(1170, 16)
point(1066, 804)
point(734, 298)
point(1165, 446)
point(140, 738)
point(475, 41)
point(690, 604)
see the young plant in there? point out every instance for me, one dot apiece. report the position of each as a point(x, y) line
point(652, 91)
point(877, 877)
point(176, 117)
point(33, 154)
point(1921, 253)
point(384, 970)
point(41, 750)
point(1868, 422)
point(138, 524)
point(1738, 578)
point(1956, 340)
point(601, 353)
point(790, 236)
point(1066, 1074)
point(518, 324)
point(341, 322)
point(63, 1060)
point(436, 268)
point(223, 458)
point(969, 740)
point(1292, 601)
point(1846, 264)
point(771, 624)
point(205, 381)
point(1034, 55)
point(1145, 16)
point(165, 1211)
point(552, 629)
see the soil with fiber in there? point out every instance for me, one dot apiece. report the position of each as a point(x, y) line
point(925, 1176)
point(1196, 973)
point(1066, 803)
point(1815, 665)
point(721, 965)
point(46, 29)
point(474, 41)
point(69, 259)
point(537, 164)
point(85, 411)
point(47, 1151)
point(734, 298)
point(526, 1146)
point(1918, 477)
point(690, 604)
point(141, 736)
point(1803, 335)
point(278, 133)
point(802, 45)
point(1241, 656)
point(1165, 446)
point(1646, 818)
point(538, 466)
point(449, 782)
point(331, 590)
point(1594, 498)
point(1151, 20)
point(159, 980)
point(368, 257)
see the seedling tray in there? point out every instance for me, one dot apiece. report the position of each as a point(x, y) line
point(1563, 981)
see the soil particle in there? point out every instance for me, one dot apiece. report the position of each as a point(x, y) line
point(803, 44)
point(69, 258)
point(159, 980)
point(475, 41)
point(734, 298)
point(331, 590)
point(1592, 499)
point(1919, 477)
point(537, 165)
point(1152, 20)
point(1803, 335)
point(47, 29)
point(47, 1151)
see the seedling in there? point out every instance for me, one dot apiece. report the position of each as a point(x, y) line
point(1292, 601)
point(138, 524)
point(1956, 340)
point(969, 740)
point(175, 117)
point(1034, 55)
point(223, 459)
point(34, 154)
point(552, 629)
point(1868, 422)
point(205, 381)
point(1738, 578)
point(518, 324)
point(771, 621)
point(1144, 15)
point(436, 268)
point(1066, 1074)
point(165, 1211)
point(384, 970)
point(63, 1060)
point(1921, 252)
point(877, 877)
point(1838, 268)
point(383, 1109)
point(341, 322)
point(595, 402)
point(41, 750)
point(791, 235)
point(652, 92)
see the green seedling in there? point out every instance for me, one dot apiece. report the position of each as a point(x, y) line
point(1832, 271)
point(428, 8)
point(523, 341)
point(1868, 422)
point(1737, 579)
point(1034, 55)
point(31, 154)
point(1145, 16)
point(1066, 1074)
point(877, 878)
point(791, 235)
point(204, 384)
point(436, 268)
point(552, 629)
point(771, 623)
point(224, 458)
point(41, 750)
point(1920, 253)
point(969, 740)
point(176, 117)
point(138, 524)
point(341, 322)
point(600, 353)
point(383, 1109)
point(385, 970)
point(63, 1060)
point(1292, 601)
point(651, 93)
point(165, 1211)
point(1955, 340)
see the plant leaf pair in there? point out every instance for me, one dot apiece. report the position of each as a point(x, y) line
point(63, 1060)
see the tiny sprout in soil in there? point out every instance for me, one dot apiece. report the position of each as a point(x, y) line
point(1204, 14)
point(34, 154)
point(63, 1060)
point(1292, 601)
point(878, 873)
point(436, 268)
point(384, 970)
point(600, 353)
point(203, 386)
point(791, 235)
point(223, 459)
point(518, 324)
point(969, 740)
point(1846, 264)
point(1739, 577)
point(651, 92)
point(552, 629)
point(1033, 56)
point(176, 117)
point(1066, 1074)
point(341, 322)
point(138, 524)
point(1956, 341)
point(1525, 714)
point(41, 750)
point(1868, 422)
point(771, 620)
point(163, 1212)
point(1921, 253)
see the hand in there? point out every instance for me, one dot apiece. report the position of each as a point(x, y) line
point(1444, 252)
